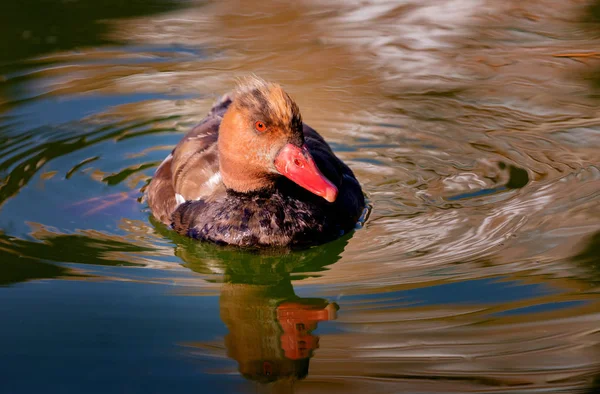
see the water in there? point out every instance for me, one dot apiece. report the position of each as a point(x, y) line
point(473, 126)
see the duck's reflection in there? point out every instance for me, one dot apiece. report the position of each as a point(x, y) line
point(270, 329)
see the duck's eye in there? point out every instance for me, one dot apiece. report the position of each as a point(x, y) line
point(260, 126)
point(267, 368)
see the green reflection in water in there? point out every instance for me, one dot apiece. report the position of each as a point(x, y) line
point(32, 27)
point(22, 260)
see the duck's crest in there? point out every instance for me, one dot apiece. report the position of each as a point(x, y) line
point(260, 96)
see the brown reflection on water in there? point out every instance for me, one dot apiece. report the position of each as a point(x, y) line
point(464, 348)
point(270, 330)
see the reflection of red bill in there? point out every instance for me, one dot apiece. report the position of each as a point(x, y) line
point(298, 165)
point(297, 321)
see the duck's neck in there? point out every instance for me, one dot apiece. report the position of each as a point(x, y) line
point(241, 178)
point(241, 171)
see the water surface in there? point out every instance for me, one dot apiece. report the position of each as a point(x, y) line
point(473, 126)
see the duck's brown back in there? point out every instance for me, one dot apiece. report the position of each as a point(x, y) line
point(191, 171)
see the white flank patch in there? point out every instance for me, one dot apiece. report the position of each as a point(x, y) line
point(179, 198)
point(214, 180)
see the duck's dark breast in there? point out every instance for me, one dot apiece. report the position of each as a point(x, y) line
point(287, 216)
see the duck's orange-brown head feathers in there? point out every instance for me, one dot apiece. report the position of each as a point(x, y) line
point(269, 103)
point(261, 138)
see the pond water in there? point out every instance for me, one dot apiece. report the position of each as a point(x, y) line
point(473, 126)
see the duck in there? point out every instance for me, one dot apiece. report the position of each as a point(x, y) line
point(253, 174)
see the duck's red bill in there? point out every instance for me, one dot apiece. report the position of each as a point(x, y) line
point(298, 165)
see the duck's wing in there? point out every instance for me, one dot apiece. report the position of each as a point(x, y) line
point(195, 162)
point(160, 193)
point(191, 171)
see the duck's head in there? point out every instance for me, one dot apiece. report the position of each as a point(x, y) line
point(261, 138)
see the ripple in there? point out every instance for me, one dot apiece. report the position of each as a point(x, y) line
point(470, 124)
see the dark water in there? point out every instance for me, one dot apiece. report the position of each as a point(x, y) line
point(473, 125)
